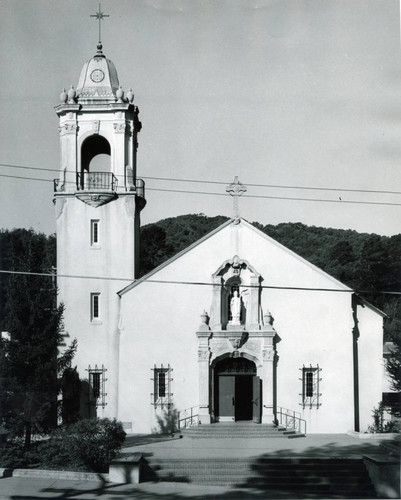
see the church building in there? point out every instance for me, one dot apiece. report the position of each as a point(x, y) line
point(235, 327)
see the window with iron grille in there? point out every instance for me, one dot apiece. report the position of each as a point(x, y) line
point(97, 382)
point(162, 386)
point(311, 396)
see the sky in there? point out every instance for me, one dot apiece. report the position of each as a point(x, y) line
point(281, 93)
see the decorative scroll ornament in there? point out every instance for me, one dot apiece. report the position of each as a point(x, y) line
point(119, 128)
point(203, 354)
point(70, 128)
point(268, 355)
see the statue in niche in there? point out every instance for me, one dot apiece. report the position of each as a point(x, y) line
point(235, 309)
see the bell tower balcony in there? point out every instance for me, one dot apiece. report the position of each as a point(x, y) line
point(96, 181)
point(96, 188)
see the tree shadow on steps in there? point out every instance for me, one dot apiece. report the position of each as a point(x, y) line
point(251, 488)
point(328, 471)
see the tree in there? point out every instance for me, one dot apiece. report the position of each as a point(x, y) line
point(393, 366)
point(393, 361)
point(374, 265)
point(31, 362)
point(71, 392)
point(31, 373)
point(154, 249)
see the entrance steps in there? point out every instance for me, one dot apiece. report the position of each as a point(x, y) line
point(276, 477)
point(233, 430)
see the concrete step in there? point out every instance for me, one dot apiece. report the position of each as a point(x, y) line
point(341, 477)
point(239, 430)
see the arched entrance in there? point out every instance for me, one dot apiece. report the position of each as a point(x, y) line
point(237, 390)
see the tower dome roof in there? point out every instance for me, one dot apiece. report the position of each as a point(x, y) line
point(99, 79)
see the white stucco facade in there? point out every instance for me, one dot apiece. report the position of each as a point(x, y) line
point(312, 327)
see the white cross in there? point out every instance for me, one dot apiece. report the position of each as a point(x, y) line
point(236, 189)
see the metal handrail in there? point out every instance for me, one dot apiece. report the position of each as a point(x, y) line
point(286, 410)
point(188, 417)
point(291, 421)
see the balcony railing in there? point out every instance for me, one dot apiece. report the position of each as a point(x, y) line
point(95, 181)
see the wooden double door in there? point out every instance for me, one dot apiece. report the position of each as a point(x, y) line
point(237, 391)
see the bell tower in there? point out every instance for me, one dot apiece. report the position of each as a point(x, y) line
point(98, 200)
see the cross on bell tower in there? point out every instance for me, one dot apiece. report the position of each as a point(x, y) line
point(99, 16)
point(236, 189)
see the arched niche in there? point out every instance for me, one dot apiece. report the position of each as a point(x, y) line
point(236, 274)
point(232, 285)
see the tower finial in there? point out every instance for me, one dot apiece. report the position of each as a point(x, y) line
point(99, 16)
point(236, 189)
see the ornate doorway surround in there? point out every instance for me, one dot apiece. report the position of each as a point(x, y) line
point(248, 337)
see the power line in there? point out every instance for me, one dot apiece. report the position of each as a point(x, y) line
point(197, 283)
point(268, 197)
point(276, 186)
point(320, 200)
point(222, 183)
point(25, 178)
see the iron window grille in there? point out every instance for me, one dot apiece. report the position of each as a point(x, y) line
point(311, 395)
point(162, 386)
point(97, 382)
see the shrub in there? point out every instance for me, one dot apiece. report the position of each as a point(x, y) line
point(95, 442)
point(12, 454)
point(379, 423)
point(87, 445)
point(58, 453)
point(168, 422)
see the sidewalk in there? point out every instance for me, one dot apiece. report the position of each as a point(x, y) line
point(29, 488)
point(313, 445)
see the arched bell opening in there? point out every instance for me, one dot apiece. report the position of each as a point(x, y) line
point(96, 165)
point(237, 390)
point(91, 147)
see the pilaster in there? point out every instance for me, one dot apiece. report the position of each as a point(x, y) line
point(203, 335)
point(68, 131)
point(268, 355)
point(215, 314)
point(253, 303)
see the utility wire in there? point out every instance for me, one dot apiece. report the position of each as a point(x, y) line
point(268, 197)
point(197, 283)
point(320, 200)
point(275, 186)
point(25, 178)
